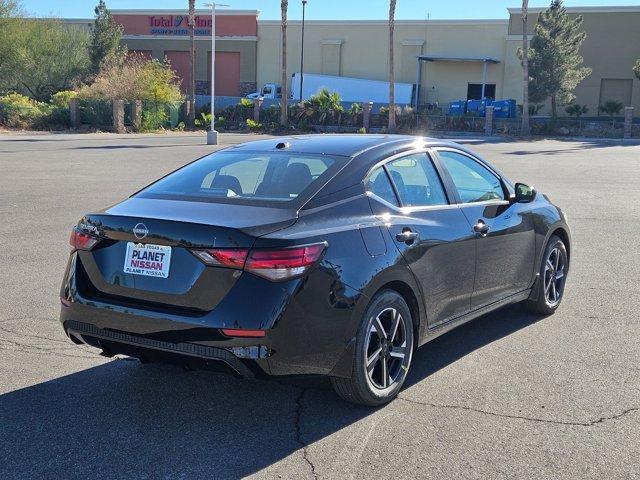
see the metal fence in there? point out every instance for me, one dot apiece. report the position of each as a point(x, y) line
point(96, 113)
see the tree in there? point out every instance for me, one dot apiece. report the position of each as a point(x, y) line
point(9, 8)
point(636, 69)
point(192, 62)
point(284, 5)
point(526, 128)
point(105, 38)
point(392, 74)
point(555, 64)
point(48, 56)
point(10, 28)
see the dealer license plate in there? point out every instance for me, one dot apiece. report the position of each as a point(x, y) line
point(147, 259)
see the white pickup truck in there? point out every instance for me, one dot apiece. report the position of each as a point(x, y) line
point(350, 89)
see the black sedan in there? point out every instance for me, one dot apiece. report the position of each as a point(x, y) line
point(330, 255)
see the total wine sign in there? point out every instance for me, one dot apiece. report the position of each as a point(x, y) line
point(178, 25)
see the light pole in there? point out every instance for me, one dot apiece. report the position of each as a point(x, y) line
point(304, 4)
point(212, 135)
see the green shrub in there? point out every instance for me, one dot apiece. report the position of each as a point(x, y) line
point(321, 109)
point(246, 103)
point(362, 130)
point(253, 125)
point(611, 108)
point(204, 121)
point(575, 110)
point(63, 98)
point(19, 111)
point(154, 119)
point(59, 111)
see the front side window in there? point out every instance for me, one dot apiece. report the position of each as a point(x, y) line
point(416, 181)
point(473, 182)
point(245, 176)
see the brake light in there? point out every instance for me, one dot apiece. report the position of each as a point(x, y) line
point(283, 263)
point(272, 264)
point(82, 241)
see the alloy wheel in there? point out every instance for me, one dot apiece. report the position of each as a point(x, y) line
point(554, 276)
point(387, 353)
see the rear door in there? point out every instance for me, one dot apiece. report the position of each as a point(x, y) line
point(431, 232)
point(505, 232)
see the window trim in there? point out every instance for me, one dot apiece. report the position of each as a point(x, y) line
point(451, 185)
point(451, 201)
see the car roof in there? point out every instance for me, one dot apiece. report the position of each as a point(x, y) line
point(336, 144)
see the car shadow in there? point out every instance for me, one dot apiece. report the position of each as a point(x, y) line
point(127, 420)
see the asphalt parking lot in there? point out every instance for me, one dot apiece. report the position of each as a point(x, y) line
point(509, 395)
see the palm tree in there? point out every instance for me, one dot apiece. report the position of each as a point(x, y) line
point(526, 128)
point(284, 4)
point(392, 101)
point(192, 63)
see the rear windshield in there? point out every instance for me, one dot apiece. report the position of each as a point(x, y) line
point(253, 177)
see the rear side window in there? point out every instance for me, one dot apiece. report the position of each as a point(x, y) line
point(417, 181)
point(246, 176)
point(379, 185)
point(474, 182)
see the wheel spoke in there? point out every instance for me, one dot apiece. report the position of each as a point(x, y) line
point(384, 372)
point(559, 274)
point(556, 262)
point(554, 292)
point(395, 321)
point(548, 285)
point(373, 359)
point(398, 352)
point(379, 329)
point(549, 264)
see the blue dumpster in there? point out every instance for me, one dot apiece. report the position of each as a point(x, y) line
point(479, 106)
point(504, 109)
point(457, 108)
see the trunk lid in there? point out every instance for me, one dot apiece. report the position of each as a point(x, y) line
point(190, 287)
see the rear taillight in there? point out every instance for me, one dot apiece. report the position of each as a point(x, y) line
point(272, 264)
point(225, 257)
point(82, 241)
point(283, 263)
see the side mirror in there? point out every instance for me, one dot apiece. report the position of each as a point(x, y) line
point(524, 193)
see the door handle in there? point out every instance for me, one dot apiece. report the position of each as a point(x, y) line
point(481, 228)
point(407, 236)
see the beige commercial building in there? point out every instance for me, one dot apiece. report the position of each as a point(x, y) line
point(457, 55)
point(360, 49)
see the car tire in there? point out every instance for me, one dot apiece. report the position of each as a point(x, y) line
point(383, 352)
point(553, 276)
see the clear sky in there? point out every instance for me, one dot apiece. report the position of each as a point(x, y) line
point(318, 9)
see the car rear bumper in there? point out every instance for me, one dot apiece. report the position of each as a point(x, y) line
point(305, 332)
point(186, 354)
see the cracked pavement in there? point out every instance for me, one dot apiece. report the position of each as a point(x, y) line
point(509, 395)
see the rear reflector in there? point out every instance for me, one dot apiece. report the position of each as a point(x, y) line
point(237, 332)
point(82, 241)
point(272, 264)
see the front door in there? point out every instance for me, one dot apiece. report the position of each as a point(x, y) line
point(504, 230)
point(432, 234)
